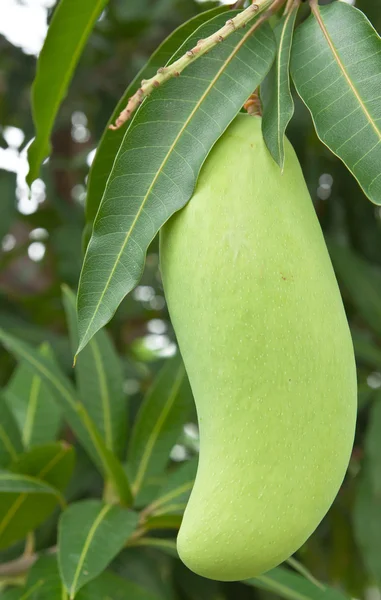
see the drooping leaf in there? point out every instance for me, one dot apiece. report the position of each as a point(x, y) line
point(278, 105)
point(372, 445)
point(10, 438)
point(111, 140)
point(44, 581)
point(32, 405)
point(158, 425)
point(67, 34)
point(100, 381)
point(53, 463)
point(177, 487)
point(25, 502)
point(156, 168)
point(90, 535)
point(8, 201)
point(367, 524)
point(292, 586)
point(362, 282)
point(336, 68)
point(75, 414)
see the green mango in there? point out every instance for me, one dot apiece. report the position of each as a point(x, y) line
point(261, 327)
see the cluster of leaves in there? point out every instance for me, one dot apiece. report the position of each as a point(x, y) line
point(97, 502)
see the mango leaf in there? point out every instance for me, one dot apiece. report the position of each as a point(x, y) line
point(90, 535)
point(165, 545)
point(44, 580)
point(159, 423)
point(366, 350)
point(75, 413)
point(68, 31)
point(44, 583)
point(362, 282)
point(156, 168)
point(278, 105)
point(177, 487)
point(111, 140)
point(53, 463)
point(8, 201)
point(292, 586)
point(335, 65)
point(25, 502)
point(367, 524)
point(32, 405)
point(10, 439)
point(170, 521)
point(372, 445)
point(100, 381)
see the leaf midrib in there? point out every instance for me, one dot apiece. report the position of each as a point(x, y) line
point(159, 171)
point(335, 53)
point(105, 397)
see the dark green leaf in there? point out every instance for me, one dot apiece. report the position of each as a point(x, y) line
point(43, 582)
point(111, 140)
point(367, 525)
point(32, 405)
point(289, 585)
point(367, 352)
point(176, 488)
point(165, 545)
point(25, 502)
point(100, 381)
point(111, 587)
point(372, 445)
point(159, 423)
point(67, 34)
point(75, 413)
point(53, 463)
point(90, 535)
point(170, 521)
point(362, 282)
point(335, 65)
point(10, 439)
point(278, 105)
point(8, 201)
point(156, 168)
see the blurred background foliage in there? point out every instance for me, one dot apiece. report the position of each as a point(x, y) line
point(41, 249)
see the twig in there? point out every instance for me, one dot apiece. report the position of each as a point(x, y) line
point(201, 48)
point(22, 564)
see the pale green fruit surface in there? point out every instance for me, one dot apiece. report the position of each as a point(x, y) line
point(262, 330)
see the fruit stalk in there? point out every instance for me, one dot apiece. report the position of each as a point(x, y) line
point(202, 47)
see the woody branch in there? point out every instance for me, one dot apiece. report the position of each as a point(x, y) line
point(202, 47)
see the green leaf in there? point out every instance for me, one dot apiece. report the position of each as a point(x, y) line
point(110, 586)
point(156, 168)
point(362, 282)
point(67, 34)
point(90, 535)
point(111, 140)
point(8, 201)
point(25, 502)
point(367, 352)
point(289, 585)
point(159, 423)
point(165, 545)
point(100, 381)
point(335, 65)
point(170, 521)
point(44, 581)
point(10, 439)
point(75, 413)
point(367, 524)
point(177, 487)
point(32, 405)
point(372, 445)
point(53, 463)
point(278, 105)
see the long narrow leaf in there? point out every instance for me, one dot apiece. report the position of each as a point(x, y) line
point(100, 381)
point(31, 403)
point(159, 423)
point(75, 413)
point(336, 68)
point(68, 32)
point(111, 140)
point(278, 105)
point(158, 163)
point(10, 438)
point(90, 535)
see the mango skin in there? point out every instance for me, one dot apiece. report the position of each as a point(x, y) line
point(262, 330)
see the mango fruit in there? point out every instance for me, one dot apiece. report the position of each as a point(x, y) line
point(261, 327)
